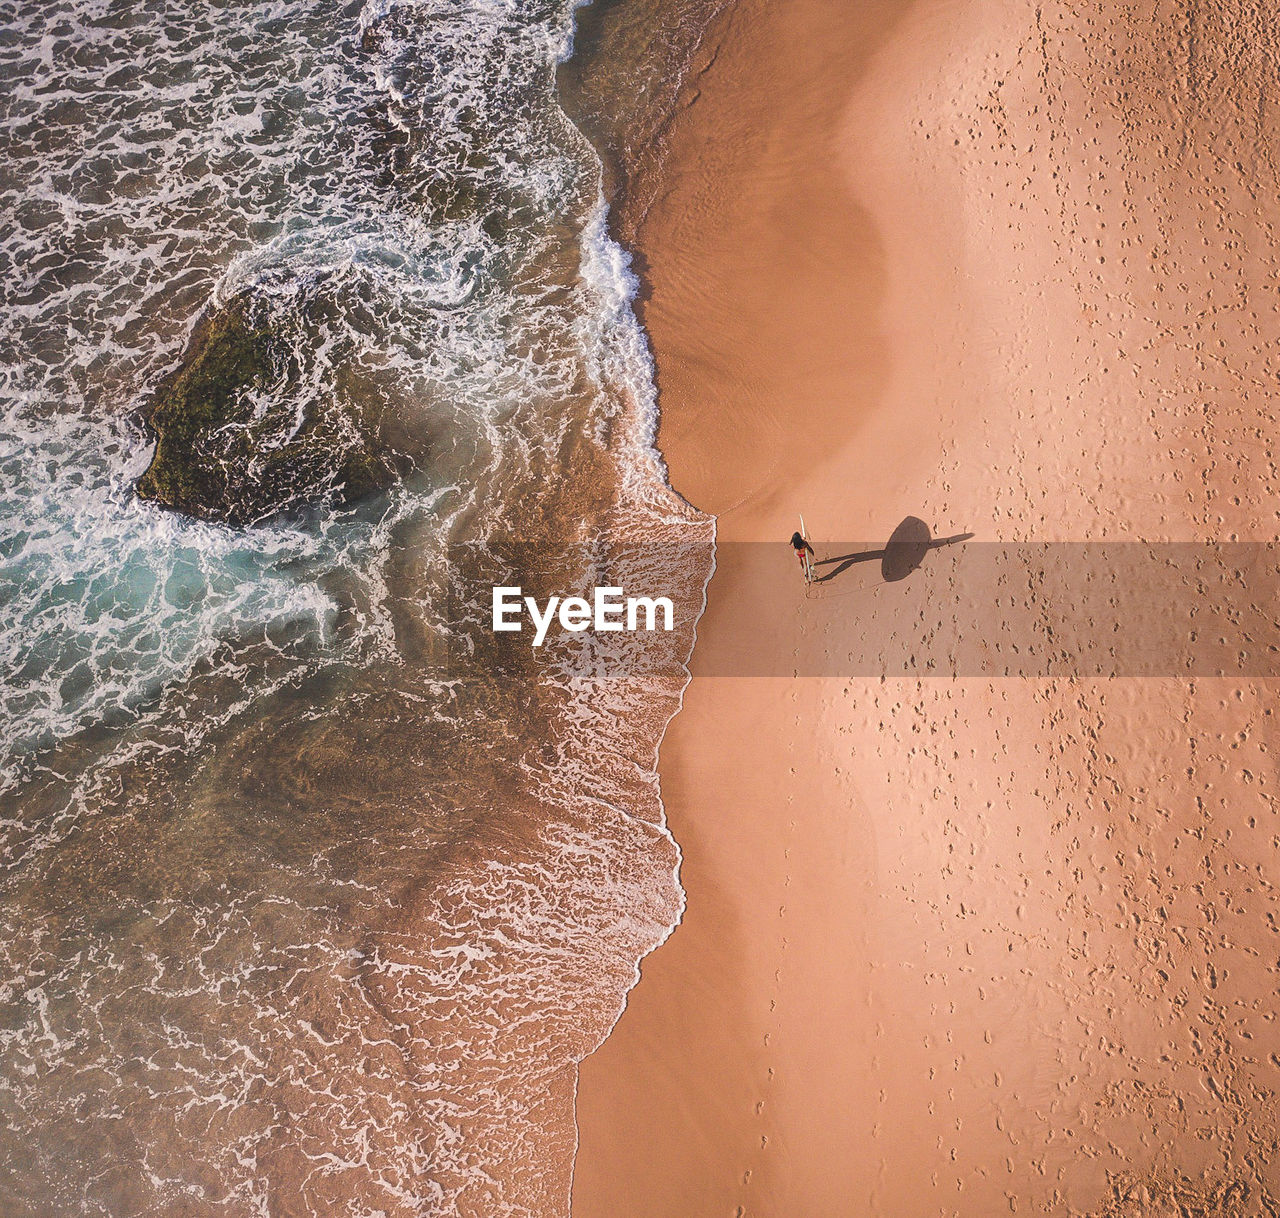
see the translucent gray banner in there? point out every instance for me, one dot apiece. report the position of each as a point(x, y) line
point(920, 606)
point(959, 607)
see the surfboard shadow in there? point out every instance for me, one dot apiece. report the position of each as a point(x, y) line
point(905, 550)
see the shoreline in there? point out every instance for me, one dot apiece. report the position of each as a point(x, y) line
point(940, 939)
point(649, 1013)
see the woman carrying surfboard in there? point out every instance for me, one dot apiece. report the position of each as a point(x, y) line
point(804, 552)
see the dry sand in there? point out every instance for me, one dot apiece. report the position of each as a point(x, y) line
point(962, 946)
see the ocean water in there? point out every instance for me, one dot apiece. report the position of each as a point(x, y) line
point(311, 893)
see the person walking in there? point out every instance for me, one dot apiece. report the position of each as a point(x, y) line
point(804, 552)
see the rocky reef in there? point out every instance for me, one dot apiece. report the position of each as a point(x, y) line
point(251, 423)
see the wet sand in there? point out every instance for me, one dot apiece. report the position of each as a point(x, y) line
point(961, 946)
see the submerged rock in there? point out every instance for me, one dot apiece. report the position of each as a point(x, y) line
point(251, 423)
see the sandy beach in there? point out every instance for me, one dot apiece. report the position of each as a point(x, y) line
point(960, 946)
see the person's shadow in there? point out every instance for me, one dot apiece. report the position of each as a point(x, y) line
point(902, 554)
